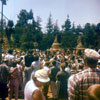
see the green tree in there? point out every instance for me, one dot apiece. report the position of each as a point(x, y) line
point(69, 40)
point(10, 30)
point(46, 41)
point(78, 29)
point(23, 18)
point(56, 29)
point(39, 33)
point(97, 35)
point(27, 38)
point(67, 26)
point(10, 23)
point(88, 36)
point(49, 25)
point(30, 15)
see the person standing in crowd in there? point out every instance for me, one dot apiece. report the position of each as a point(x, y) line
point(10, 57)
point(62, 77)
point(29, 58)
point(32, 89)
point(46, 67)
point(27, 69)
point(35, 65)
point(94, 92)
point(14, 82)
point(4, 75)
point(81, 81)
point(53, 72)
point(68, 68)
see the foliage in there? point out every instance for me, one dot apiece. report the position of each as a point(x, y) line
point(10, 23)
point(28, 30)
point(66, 27)
point(49, 25)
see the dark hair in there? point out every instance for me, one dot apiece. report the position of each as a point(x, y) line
point(36, 58)
point(14, 64)
point(54, 63)
point(66, 63)
point(30, 51)
point(10, 51)
point(91, 61)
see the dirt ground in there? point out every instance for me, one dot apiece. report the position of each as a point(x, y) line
point(49, 97)
point(20, 98)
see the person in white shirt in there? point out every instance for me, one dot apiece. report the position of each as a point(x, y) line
point(35, 65)
point(32, 89)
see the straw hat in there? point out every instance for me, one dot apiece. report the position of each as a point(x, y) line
point(42, 76)
point(92, 54)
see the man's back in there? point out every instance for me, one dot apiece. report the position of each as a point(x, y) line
point(28, 60)
point(81, 82)
point(54, 72)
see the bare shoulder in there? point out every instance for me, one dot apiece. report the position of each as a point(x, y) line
point(38, 95)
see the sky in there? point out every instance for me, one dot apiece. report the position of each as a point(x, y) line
point(79, 11)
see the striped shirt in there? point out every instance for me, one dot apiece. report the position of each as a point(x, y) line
point(79, 83)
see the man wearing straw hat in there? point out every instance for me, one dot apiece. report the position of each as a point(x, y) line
point(32, 89)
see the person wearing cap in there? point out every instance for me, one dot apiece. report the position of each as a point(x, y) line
point(79, 84)
point(32, 89)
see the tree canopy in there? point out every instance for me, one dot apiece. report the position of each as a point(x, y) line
point(28, 30)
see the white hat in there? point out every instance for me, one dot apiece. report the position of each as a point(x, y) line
point(42, 76)
point(92, 54)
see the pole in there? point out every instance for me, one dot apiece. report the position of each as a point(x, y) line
point(2, 16)
point(1, 35)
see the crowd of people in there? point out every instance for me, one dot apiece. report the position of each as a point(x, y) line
point(33, 74)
